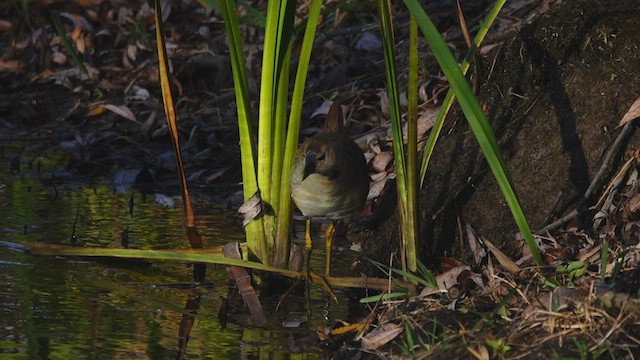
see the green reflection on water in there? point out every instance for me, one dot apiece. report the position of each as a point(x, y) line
point(71, 308)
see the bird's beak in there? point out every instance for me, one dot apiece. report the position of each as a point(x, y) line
point(309, 163)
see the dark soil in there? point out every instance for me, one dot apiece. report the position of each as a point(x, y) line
point(554, 93)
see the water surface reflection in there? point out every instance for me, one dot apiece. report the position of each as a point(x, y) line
point(63, 308)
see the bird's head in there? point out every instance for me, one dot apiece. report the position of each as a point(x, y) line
point(319, 158)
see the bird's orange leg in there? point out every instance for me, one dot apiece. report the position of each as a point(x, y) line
point(307, 274)
point(308, 246)
point(310, 275)
point(331, 230)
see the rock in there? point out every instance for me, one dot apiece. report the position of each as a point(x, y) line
point(554, 93)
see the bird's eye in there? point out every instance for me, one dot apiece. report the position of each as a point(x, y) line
point(321, 157)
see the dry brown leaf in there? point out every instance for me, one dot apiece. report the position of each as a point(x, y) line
point(482, 353)
point(97, 110)
point(446, 280)
point(555, 300)
point(5, 25)
point(632, 113)
point(11, 65)
point(382, 161)
point(378, 182)
point(380, 336)
point(132, 52)
point(425, 122)
point(77, 35)
point(384, 103)
point(215, 174)
point(354, 327)
point(252, 208)
point(503, 259)
point(634, 203)
point(589, 255)
point(369, 140)
point(457, 281)
point(475, 245)
point(79, 22)
point(59, 58)
point(138, 94)
point(150, 122)
point(323, 109)
point(121, 110)
point(448, 263)
point(368, 155)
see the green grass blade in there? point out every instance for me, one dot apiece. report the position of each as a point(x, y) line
point(450, 98)
point(241, 87)
point(204, 256)
point(293, 131)
point(268, 85)
point(385, 296)
point(278, 33)
point(411, 221)
point(256, 238)
point(477, 120)
point(159, 255)
point(386, 28)
point(414, 279)
point(280, 131)
point(69, 46)
point(407, 231)
point(260, 20)
point(211, 4)
point(428, 276)
point(604, 260)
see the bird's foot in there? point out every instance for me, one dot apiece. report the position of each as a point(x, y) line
point(307, 276)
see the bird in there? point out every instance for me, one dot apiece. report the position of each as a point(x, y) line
point(329, 179)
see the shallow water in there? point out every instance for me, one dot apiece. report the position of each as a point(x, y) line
point(67, 308)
